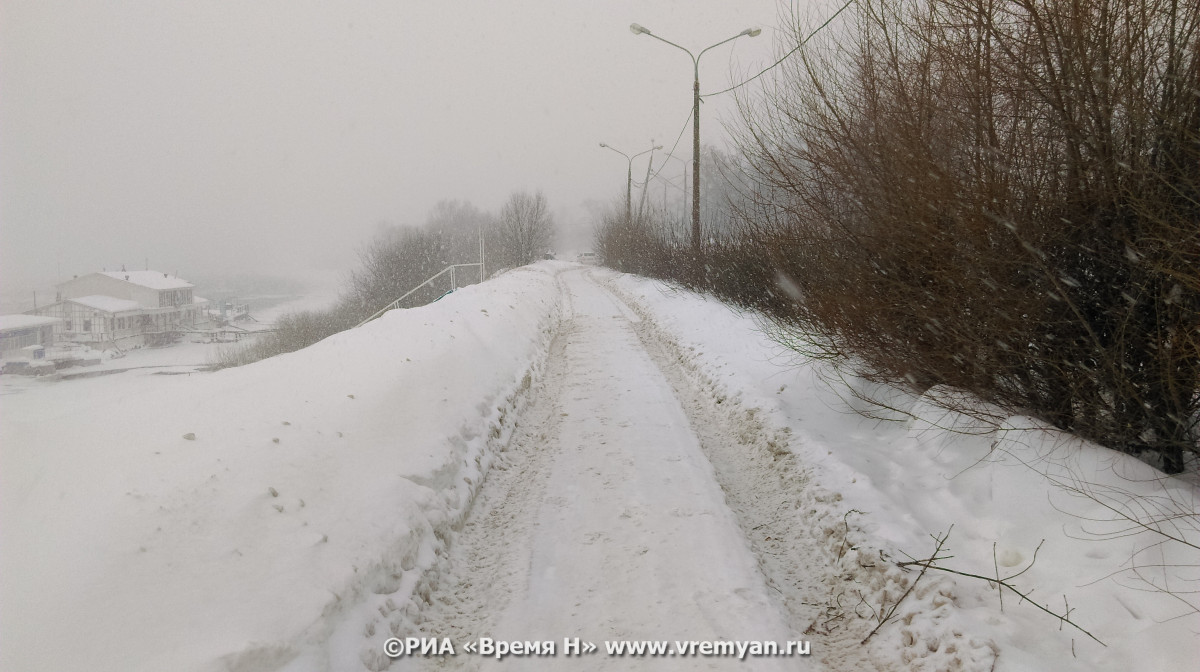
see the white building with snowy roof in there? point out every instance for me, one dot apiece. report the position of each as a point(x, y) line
point(18, 332)
point(116, 308)
point(151, 289)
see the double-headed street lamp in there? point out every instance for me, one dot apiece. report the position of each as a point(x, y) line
point(749, 32)
point(629, 177)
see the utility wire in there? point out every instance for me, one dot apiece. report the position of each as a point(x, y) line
point(785, 56)
point(665, 180)
point(691, 112)
point(674, 146)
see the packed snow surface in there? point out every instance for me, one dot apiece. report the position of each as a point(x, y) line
point(565, 451)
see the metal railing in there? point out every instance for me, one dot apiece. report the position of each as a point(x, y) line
point(453, 286)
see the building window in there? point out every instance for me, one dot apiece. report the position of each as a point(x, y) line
point(20, 339)
point(87, 325)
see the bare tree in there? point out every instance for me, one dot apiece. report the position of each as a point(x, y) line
point(458, 225)
point(525, 230)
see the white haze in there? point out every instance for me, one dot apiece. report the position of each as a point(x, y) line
point(221, 136)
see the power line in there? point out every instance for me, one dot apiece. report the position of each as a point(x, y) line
point(688, 120)
point(665, 180)
point(674, 146)
point(785, 56)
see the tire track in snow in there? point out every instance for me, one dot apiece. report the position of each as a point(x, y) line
point(607, 524)
point(483, 568)
point(769, 493)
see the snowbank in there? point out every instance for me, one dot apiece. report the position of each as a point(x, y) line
point(881, 489)
point(226, 520)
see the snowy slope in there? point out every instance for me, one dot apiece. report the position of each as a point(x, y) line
point(890, 485)
point(312, 479)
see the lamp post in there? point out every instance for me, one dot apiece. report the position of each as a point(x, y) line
point(749, 32)
point(629, 176)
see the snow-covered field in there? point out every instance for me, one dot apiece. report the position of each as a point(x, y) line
point(655, 468)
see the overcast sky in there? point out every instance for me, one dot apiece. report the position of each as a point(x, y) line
point(275, 135)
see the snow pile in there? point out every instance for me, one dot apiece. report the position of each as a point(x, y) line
point(230, 520)
point(1109, 533)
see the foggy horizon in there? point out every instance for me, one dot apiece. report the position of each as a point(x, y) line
point(277, 138)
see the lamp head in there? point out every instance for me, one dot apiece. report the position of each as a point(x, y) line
point(603, 145)
point(752, 32)
point(637, 30)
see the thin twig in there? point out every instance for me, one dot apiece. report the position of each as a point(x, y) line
point(928, 563)
point(1062, 617)
point(996, 565)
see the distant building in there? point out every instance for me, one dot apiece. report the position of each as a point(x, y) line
point(115, 308)
point(18, 332)
point(97, 319)
point(151, 289)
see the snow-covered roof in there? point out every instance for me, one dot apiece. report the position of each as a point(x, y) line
point(108, 304)
point(151, 279)
point(8, 322)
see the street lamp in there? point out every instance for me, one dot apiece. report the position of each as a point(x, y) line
point(629, 176)
point(749, 32)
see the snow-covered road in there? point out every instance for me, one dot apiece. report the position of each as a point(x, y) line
point(609, 523)
point(563, 452)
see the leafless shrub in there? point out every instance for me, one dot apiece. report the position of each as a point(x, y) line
point(633, 246)
point(1003, 197)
